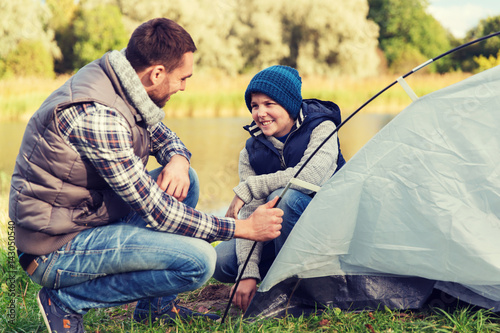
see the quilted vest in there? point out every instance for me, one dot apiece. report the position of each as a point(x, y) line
point(54, 193)
point(265, 158)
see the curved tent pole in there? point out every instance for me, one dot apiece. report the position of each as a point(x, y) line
point(337, 129)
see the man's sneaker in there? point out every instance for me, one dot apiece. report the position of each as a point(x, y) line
point(175, 311)
point(56, 319)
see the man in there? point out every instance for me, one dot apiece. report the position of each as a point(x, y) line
point(92, 225)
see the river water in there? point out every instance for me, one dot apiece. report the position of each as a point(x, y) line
point(215, 144)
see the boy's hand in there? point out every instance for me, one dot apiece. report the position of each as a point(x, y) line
point(234, 207)
point(263, 225)
point(245, 293)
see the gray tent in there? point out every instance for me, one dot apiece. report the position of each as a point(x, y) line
point(414, 211)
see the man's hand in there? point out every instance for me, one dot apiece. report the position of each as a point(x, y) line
point(263, 225)
point(174, 178)
point(235, 207)
point(245, 292)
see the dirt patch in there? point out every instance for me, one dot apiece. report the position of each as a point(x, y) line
point(211, 298)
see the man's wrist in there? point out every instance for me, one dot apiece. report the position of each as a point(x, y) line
point(241, 228)
point(179, 158)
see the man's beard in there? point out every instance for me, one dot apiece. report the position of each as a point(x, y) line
point(160, 102)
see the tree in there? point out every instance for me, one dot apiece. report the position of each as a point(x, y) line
point(97, 30)
point(259, 29)
point(63, 14)
point(24, 31)
point(234, 36)
point(485, 63)
point(29, 58)
point(408, 34)
point(485, 27)
point(485, 50)
point(210, 23)
point(316, 36)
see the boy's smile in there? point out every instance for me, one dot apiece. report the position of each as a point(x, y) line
point(271, 117)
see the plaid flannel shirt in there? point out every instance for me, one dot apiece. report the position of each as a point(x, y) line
point(103, 137)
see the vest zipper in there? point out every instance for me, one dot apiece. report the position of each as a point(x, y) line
point(282, 158)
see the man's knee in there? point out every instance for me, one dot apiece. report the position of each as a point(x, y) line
point(194, 189)
point(206, 259)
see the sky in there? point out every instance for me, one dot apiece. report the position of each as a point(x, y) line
point(459, 16)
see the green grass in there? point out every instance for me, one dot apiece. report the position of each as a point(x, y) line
point(25, 316)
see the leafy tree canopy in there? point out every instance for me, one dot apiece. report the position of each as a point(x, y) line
point(408, 34)
point(237, 36)
point(24, 24)
point(97, 30)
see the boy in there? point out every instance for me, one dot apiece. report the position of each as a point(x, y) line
point(285, 131)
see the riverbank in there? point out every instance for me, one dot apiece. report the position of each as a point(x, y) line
point(209, 96)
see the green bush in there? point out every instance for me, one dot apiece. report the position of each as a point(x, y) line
point(97, 31)
point(29, 58)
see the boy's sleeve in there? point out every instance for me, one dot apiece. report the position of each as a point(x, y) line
point(245, 170)
point(243, 247)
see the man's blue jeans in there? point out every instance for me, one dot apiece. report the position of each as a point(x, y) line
point(293, 205)
point(125, 262)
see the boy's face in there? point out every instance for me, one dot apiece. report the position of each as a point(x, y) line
point(271, 117)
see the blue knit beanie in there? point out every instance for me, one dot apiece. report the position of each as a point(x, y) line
point(282, 84)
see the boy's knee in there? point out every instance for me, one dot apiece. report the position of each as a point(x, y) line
point(226, 267)
point(274, 194)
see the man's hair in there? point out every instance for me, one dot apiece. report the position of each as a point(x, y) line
point(159, 41)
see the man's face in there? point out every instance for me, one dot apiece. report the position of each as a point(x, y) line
point(173, 82)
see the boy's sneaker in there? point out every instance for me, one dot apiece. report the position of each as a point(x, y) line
point(169, 316)
point(56, 320)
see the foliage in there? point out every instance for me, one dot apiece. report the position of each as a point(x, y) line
point(485, 27)
point(328, 37)
point(97, 30)
point(485, 63)
point(315, 36)
point(408, 34)
point(63, 15)
point(29, 58)
point(487, 49)
point(24, 29)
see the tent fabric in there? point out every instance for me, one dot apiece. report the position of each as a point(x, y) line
point(419, 202)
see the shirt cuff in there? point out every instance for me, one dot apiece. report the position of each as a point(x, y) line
point(243, 192)
point(251, 271)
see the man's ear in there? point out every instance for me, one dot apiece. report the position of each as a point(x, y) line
point(157, 74)
point(152, 76)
